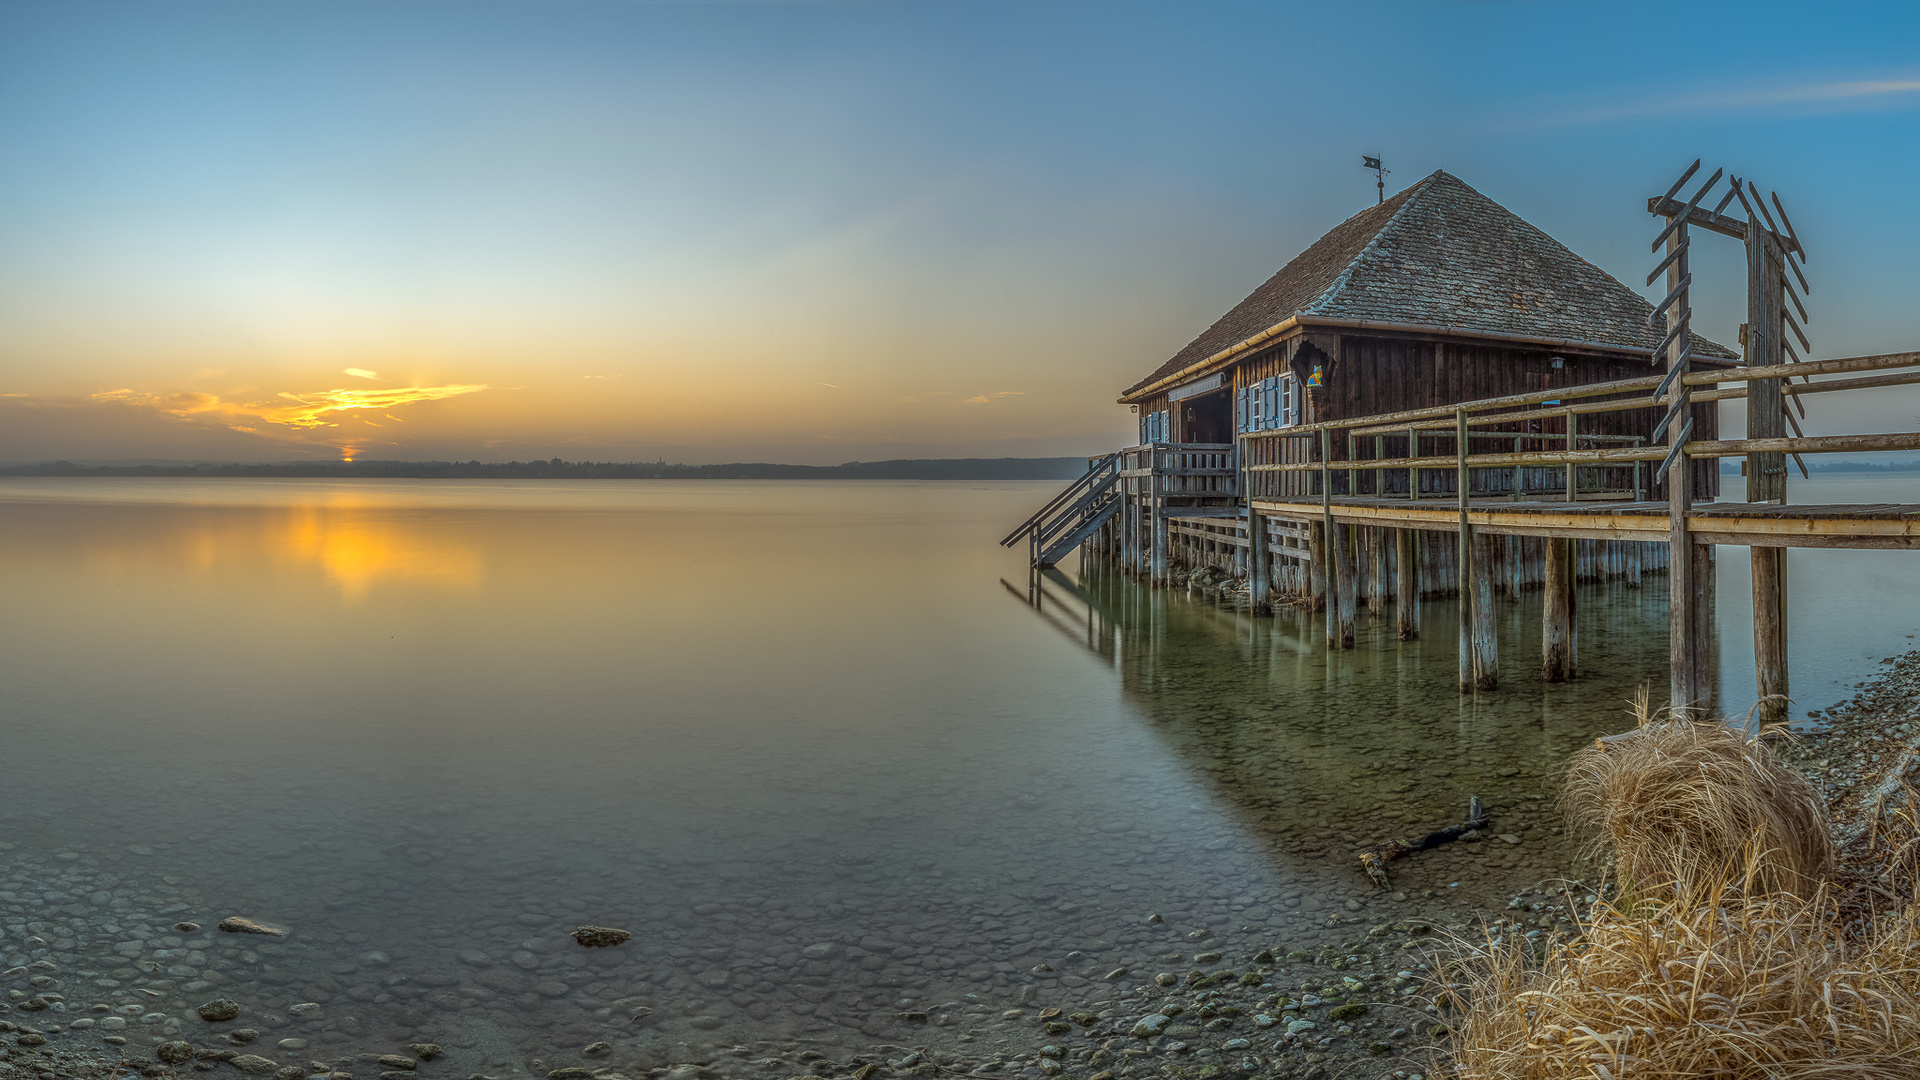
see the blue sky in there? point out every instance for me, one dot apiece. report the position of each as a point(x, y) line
point(820, 232)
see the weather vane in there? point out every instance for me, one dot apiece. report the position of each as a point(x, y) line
point(1379, 174)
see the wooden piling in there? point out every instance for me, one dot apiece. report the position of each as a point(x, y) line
point(1770, 632)
point(1486, 651)
point(1343, 567)
point(1557, 646)
point(1408, 605)
point(1376, 571)
point(1258, 560)
point(1317, 557)
point(1158, 566)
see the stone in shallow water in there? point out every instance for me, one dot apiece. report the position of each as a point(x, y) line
point(1150, 1025)
point(235, 924)
point(254, 1065)
point(217, 1010)
point(601, 936)
point(175, 1052)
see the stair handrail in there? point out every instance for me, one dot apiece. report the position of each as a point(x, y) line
point(1046, 531)
point(1070, 494)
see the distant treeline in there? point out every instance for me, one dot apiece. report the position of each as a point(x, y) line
point(1059, 468)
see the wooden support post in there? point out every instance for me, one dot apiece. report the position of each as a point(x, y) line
point(1406, 543)
point(1684, 661)
point(1635, 552)
point(1258, 562)
point(1329, 542)
point(1317, 557)
point(1557, 643)
point(1486, 645)
point(1463, 565)
point(1343, 566)
point(1770, 632)
point(1159, 565)
point(1705, 573)
point(1515, 564)
point(1766, 405)
point(1376, 571)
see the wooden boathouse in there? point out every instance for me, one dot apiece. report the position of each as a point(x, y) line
point(1435, 365)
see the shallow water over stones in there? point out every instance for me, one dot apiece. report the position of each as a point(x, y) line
point(843, 790)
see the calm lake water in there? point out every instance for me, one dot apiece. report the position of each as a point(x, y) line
point(809, 742)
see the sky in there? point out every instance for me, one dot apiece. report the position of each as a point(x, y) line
point(822, 232)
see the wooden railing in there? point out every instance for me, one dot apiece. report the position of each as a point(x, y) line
point(1451, 425)
point(1184, 470)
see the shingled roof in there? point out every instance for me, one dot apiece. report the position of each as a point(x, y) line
point(1442, 255)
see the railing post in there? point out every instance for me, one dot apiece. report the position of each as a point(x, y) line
point(1573, 443)
point(1413, 472)
point(1464, 550)
point(1379, 475)
point(1353, 455)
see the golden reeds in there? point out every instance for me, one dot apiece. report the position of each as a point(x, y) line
point(1735, 954)
point(1712, 982)
point(1689, 803)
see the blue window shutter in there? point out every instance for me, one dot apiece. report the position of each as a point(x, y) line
point(1243, 408)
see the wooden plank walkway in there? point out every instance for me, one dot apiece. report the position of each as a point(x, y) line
point(1853, 525)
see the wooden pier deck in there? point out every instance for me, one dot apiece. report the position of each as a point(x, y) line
point(1868, 525)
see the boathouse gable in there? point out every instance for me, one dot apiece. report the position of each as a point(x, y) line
point(1438, 295)
point(1440, 260)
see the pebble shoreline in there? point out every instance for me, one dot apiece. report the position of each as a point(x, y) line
point(99, 976)
point(102, 972)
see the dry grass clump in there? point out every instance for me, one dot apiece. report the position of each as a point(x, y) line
point(1716, 983)
point(1738, 953)
point(1684, 803)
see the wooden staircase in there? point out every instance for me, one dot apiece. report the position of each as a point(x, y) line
point(1073, 515)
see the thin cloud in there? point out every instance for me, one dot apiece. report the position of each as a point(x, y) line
point(363, 373)
point(1835, 96)
point(298, 411)
point(985, 399)
point(835, 386)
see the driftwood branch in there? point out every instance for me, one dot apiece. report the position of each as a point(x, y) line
point(1374, 860)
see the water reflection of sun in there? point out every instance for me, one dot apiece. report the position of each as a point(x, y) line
point(358, 551)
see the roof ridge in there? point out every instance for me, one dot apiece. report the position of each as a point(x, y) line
point(1411, 195)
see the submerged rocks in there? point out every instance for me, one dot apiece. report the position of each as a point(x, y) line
point(217, 1010)
point(254, 1064)
point(1150, 1025)
point(601, 936)
point(174, 1052)
point(235, 924)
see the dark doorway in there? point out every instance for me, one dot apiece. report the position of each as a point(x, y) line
point(1207, 418)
